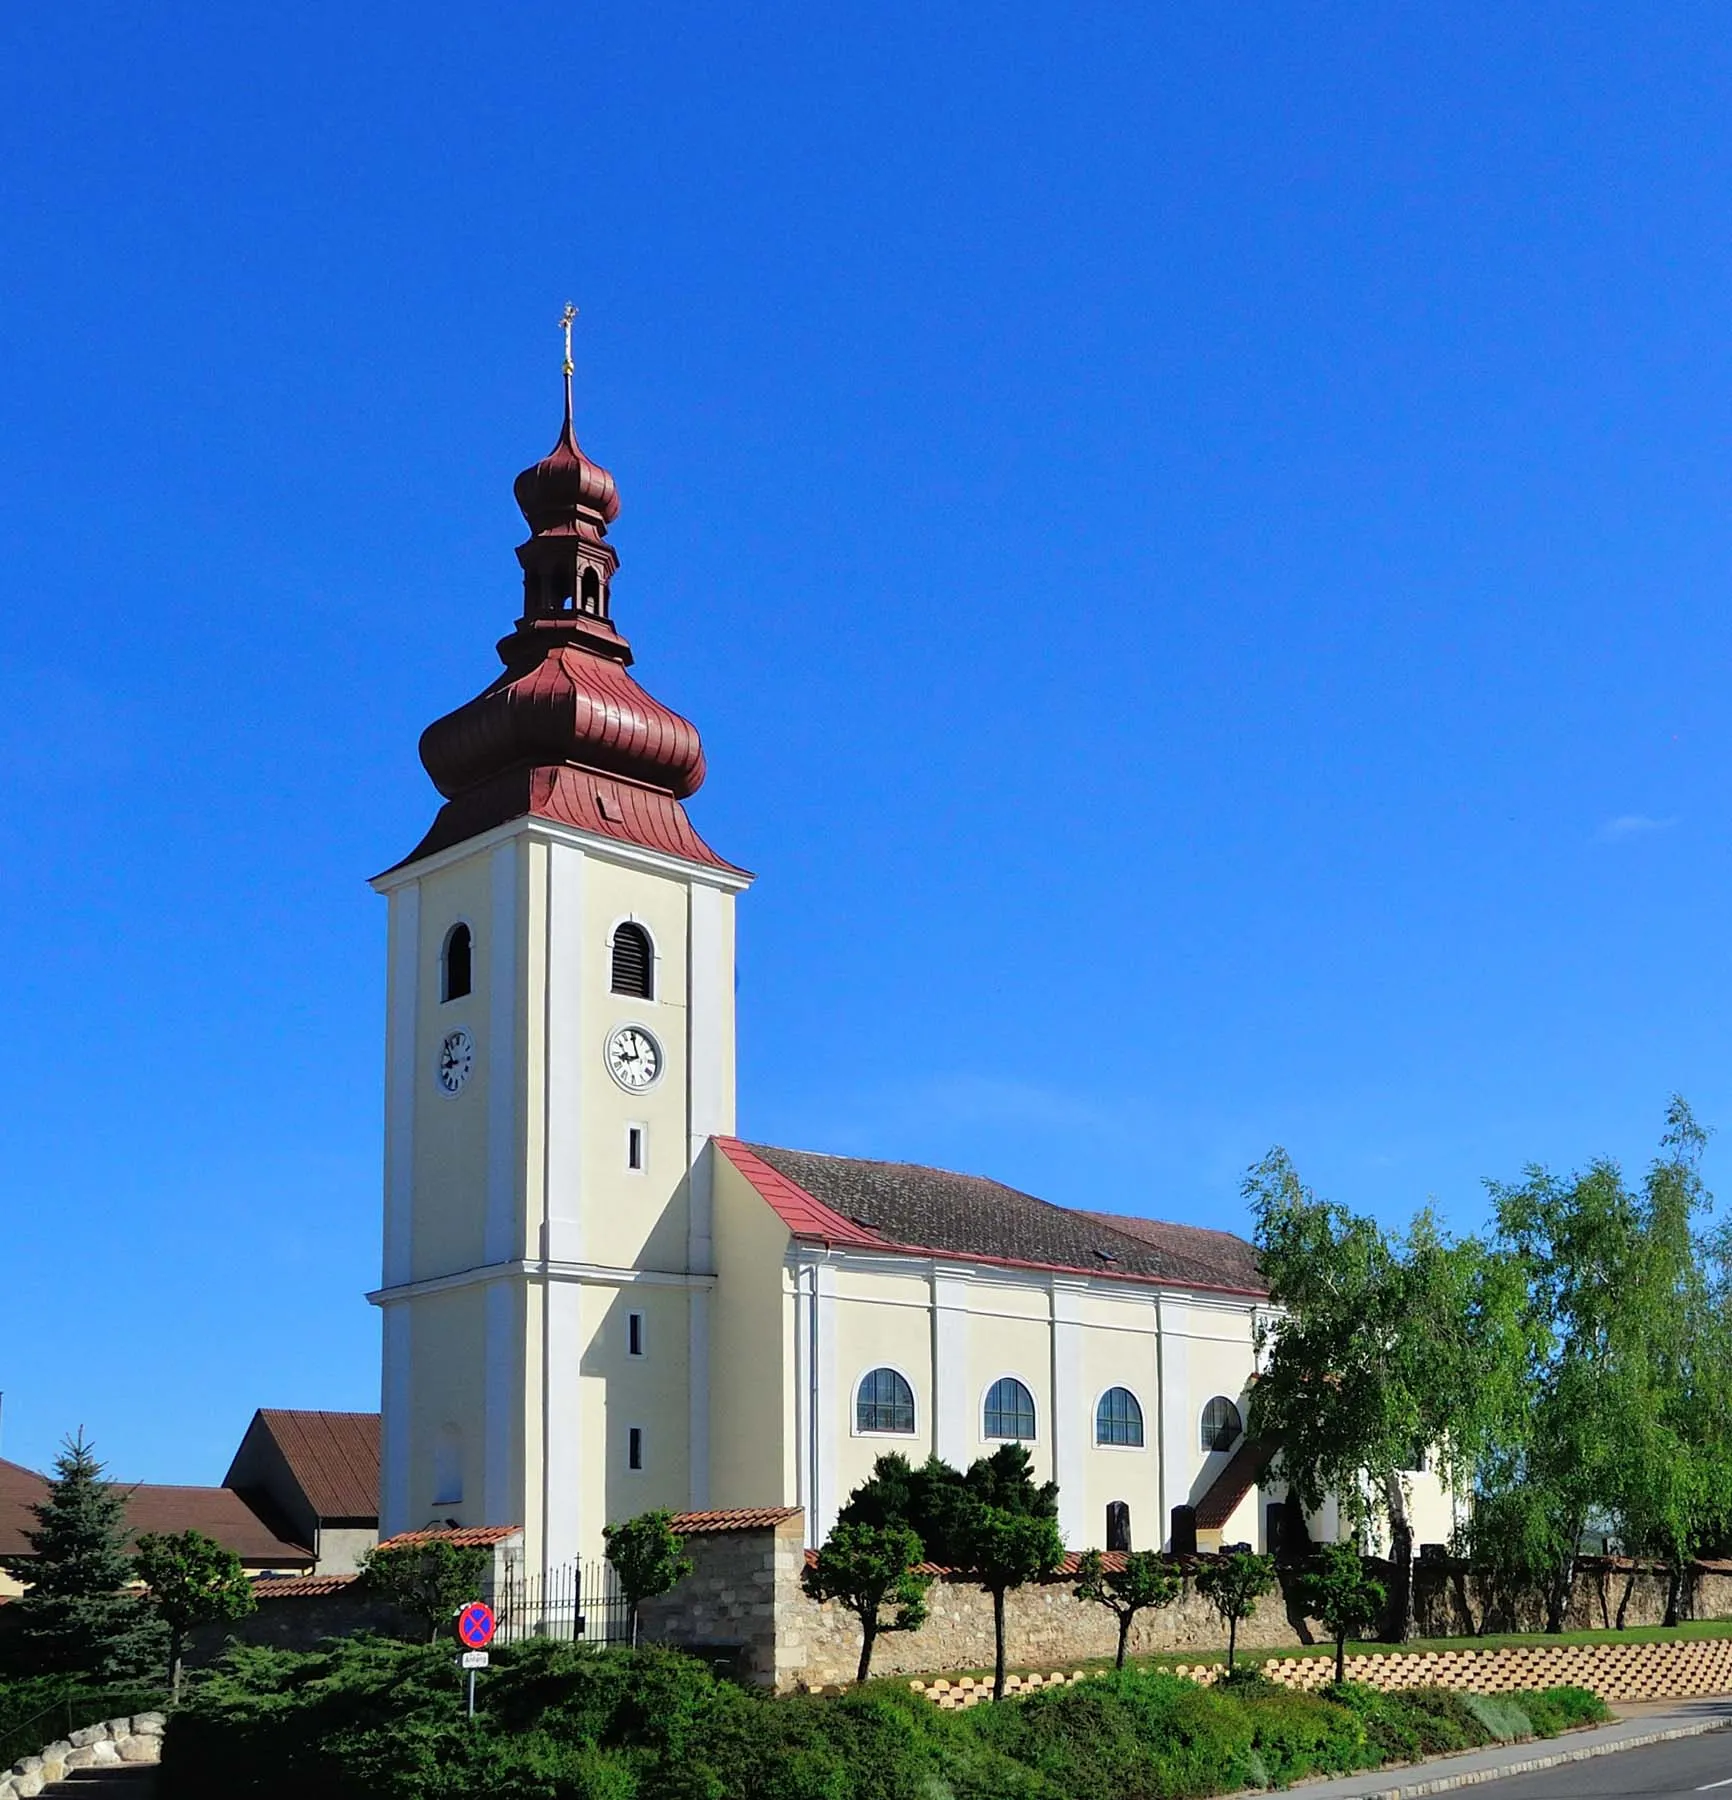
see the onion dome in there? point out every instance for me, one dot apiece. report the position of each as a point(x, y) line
point(565, 732)
point(566, 492)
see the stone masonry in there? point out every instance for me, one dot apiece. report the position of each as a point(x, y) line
point(114, 1741)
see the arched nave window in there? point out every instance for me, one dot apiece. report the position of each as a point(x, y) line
point(1009, 1410)
point(885, 1403)
point(633, 961)
point(1221, 1424)
point(454, 962)
point(1119, 1419)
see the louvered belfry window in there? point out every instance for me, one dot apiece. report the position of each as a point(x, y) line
point(633, 962)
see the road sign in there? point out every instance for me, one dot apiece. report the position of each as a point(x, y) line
point(473, 1659)
point(475, 1625)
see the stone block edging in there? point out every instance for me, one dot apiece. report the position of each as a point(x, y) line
point(115, 1741)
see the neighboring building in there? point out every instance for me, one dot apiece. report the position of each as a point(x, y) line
point(218, 1512)
point(316, 1475)
point(596, 1298)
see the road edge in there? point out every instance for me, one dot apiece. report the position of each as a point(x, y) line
point(1442, 1784)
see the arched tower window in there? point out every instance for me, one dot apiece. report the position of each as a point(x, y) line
point(591, 592)
point(885, 1403)
point(1119, 1419)
point(1009, 1410)
point(1118, 1525)
point(633, 962)
point(454, 963)
point(1221, 1424)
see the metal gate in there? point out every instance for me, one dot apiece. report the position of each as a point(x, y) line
point(576, 1602)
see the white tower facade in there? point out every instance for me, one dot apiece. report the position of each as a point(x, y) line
point(560, 1049)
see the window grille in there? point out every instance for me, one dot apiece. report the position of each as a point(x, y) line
point(1119, 1419)
point(886, 1403)
point(1009, 1410)
point(1221, 1424)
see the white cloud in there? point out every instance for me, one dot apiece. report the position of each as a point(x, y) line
point(1628, 825)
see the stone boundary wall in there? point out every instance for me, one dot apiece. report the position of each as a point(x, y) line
point(114, 1741)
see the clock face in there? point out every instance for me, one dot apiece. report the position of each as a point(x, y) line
point(456, 1059)
point(634, 1058)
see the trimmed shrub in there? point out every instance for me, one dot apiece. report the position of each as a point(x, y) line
point(1298, 1735)
point(1500, 1715)
point(1558, 1709)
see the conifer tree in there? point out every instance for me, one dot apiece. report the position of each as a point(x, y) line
point(76, 1616)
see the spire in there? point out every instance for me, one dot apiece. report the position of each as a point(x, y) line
point(565, 732)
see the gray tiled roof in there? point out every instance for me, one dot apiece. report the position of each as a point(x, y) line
point(968, 1215)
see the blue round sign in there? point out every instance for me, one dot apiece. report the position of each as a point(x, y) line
point(475, 1625)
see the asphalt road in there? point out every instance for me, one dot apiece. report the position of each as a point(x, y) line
point(1685, 1766)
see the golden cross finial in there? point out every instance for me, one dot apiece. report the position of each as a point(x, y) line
point(565, 319)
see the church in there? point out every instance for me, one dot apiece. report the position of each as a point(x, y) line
point(597, 1298)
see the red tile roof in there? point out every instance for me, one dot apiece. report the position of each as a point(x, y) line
point(804, 1214)
point(334, 1456)
point(906, 1209)
point(465, 1537)
point(300, 1587)
point(750, 1518)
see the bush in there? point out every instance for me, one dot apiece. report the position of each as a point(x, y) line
point(374, 1719)
point(1560, 1708)
point(1298, 1735)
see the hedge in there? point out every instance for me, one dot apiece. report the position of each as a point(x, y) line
point(372, 1719)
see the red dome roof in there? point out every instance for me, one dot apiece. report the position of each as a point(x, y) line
point(565, 732)
point(571, 706)
point(558, 492)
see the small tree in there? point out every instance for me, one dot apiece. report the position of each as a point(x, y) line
point(1233, 1583)
point(1002, 1550)
point(431, 1580)
point(76, 1617)
point(867, 1568)
point(1146, 1580)
point(647, 1556)
point(1337, 1591)
point(193, 1580)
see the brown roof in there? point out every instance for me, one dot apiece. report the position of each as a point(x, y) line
point(334, 1456)
point(219, 1513)
point(749, 1518)
point(20, 1489)
point(1235, 1255)
point(904, 1208)
point(465, 1537)
point(1241, 1472)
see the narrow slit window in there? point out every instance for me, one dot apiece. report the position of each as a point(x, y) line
point(633, 962)
point(634, 1334)
point(1118, 1525)
point(634, 1147)
point(634, 1447)
point(454, 963)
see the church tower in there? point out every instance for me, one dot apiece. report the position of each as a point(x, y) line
point(560, 1049)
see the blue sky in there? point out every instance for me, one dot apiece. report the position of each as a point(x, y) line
point(1197, 540)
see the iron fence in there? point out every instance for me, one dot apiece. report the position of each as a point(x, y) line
point(577, 1602)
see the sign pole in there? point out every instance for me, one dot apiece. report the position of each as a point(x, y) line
point(471, 1694)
